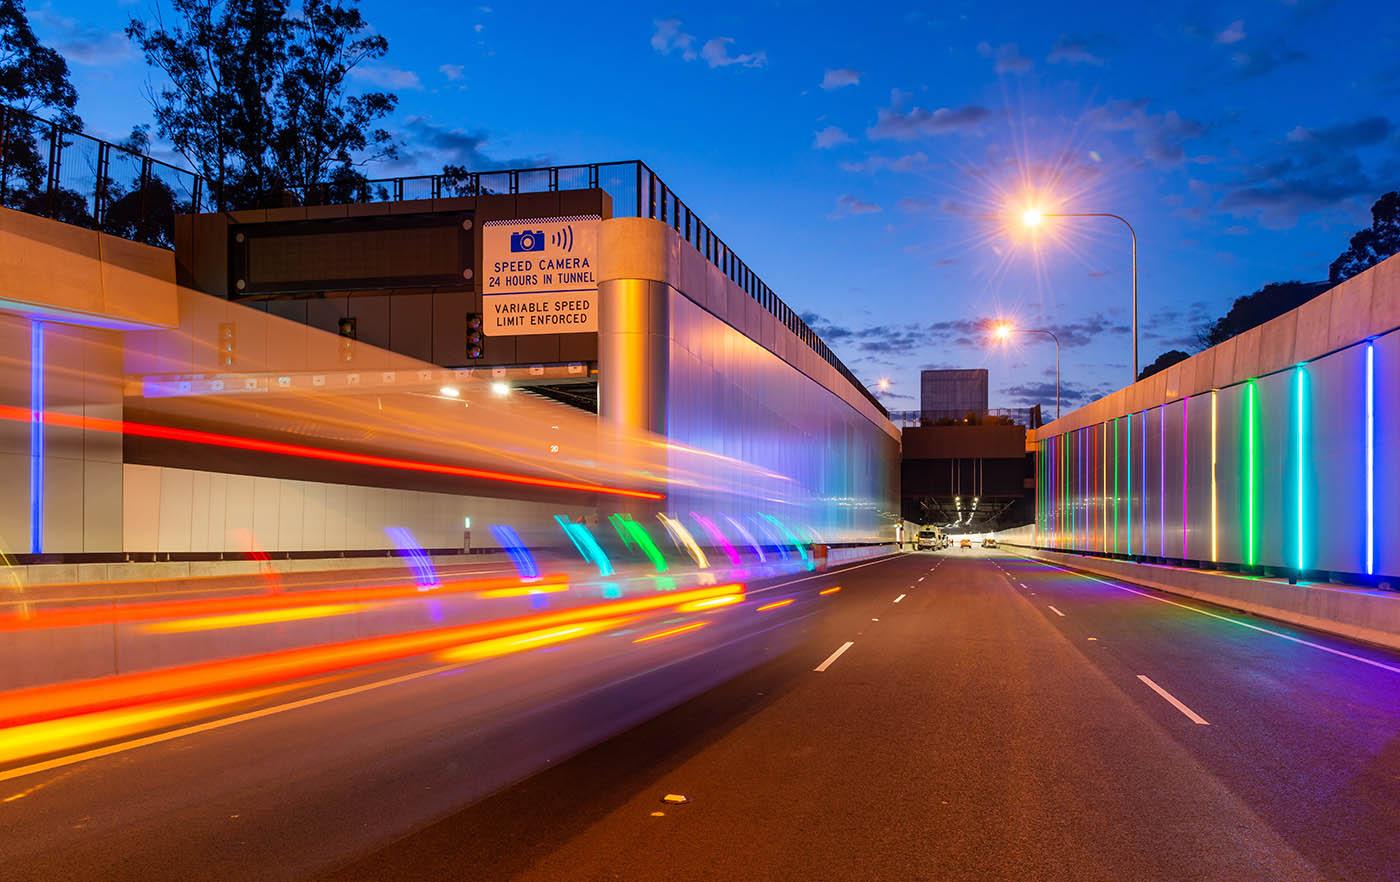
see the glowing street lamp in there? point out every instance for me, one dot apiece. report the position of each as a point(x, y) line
point(1002, 331)
point(1032, 217)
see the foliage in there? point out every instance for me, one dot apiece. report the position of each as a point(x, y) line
point(257, 97)
point(1373, 244)
point(1164, 361)
point(1270, 301)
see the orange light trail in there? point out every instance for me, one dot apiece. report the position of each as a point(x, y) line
point(55, 701)
point(671, 632)
point(521, 592)
point(711, 603)
point(500, 646)
point(249, 619)
point(281, 448)
point(777, 604)
point(832, 590)
point(77, 616)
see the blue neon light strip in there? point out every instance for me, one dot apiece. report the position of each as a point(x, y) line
point(36, 437)
point(1370, 459)
point(1300, 378)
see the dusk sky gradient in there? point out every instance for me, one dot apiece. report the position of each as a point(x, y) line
point(857, 155)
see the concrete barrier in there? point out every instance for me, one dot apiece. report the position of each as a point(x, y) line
point(858, 552)
point(1359, 613)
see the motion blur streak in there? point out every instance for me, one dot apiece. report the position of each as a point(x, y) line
point(54, 736)
point(584, 543)
point(713, 529)
point(683, 539)
point(215, 439)
point(711, 603)
point(633, 533)
point(244, 620)
point(418, 559)
point(748, 537)
point(515, 548)
point(796, 543)
point(79, 616)
point(526, 591)
point(671, 632)
point(485, 649)
point(777, 604)
point(832, 590)
point(56, 701)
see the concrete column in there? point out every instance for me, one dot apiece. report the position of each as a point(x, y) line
point(636, 263)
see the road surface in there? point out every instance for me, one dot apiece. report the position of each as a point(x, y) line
point(960, 715)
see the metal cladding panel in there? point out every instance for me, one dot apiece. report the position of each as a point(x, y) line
point(1386, 475)
point(1329, 506)
point(1198, 477)
point(1154, 542)
point(1117, 470)
point(1230, 472)
point(1271, 473)
point(1170, 508)
point(1141, 460)
point(730, 397)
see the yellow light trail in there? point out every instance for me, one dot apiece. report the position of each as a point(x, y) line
point(671, 632)
point(777, 604)
point(249, 619)
point(711, 603)
point(832, 590)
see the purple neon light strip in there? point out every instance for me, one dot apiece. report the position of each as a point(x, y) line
point(1185, 472)
point(1162, 483)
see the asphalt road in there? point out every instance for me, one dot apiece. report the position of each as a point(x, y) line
point(991, 718)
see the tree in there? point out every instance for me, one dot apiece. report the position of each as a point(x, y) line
point(257, 101)
point(1373, 244)
point(1164, 361)
point(1252, 310)
point(33, 79)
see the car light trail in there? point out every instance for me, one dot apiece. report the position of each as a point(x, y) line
point(710, 603)
point(671, 632)
point(39, 703)
point(832, 590)
point(282, 448)
point(500, 646)
point(245, 620)
point(777, 604)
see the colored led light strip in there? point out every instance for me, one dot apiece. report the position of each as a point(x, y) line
point(1185, 474)
point(1103, 460)
point(36, 437)
point(1115, 485)
point(1129, 472)
point(1214, 497)
point(1162, 481)
point(1250, 490)
point(1300, 378)
point(1144, 483)
point(215, 439)
point(1370, 458)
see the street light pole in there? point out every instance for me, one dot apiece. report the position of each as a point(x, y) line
point(1006, 329)
point(1033, 217)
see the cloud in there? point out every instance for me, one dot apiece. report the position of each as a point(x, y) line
point(426, 140)
point(1362, 133)
point(1233, 33)
point(1161, 137)
point(386, 77)
point(716, 54)
point(909, 162)
point(829, 137)
point(840, 77)
point(1072, 50)
point(913, 205)
point(81, 43)
point(1312, 170)
point(1043, 393)
point(1249, 65)
point(848, 205)
point(1009, 59)
point(894, 123)
point(451, 71)
point(669, 37)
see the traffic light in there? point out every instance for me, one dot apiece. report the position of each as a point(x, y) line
point(474, 335)
point(228, 344)
point(348, 334)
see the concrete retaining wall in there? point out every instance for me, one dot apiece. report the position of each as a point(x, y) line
point(1358, 613)
point(858, 552)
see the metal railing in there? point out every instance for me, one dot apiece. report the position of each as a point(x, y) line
point(1005, 416)
point(49, 170)
point(55, 172)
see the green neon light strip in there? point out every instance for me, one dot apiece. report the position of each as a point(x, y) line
point(1129, 433)
point(1251, 489)
point(1300, 411)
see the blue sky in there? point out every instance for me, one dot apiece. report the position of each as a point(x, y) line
point(858, 157)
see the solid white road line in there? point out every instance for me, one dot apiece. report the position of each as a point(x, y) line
point(1365, 661)
point(1190, 714)
point(1056, 612)
point(834, 656)
point(899, 598)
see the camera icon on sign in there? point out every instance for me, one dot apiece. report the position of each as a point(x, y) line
point(527, 240)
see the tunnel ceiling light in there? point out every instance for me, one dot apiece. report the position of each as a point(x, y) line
point(450, 391)
point(499, 389)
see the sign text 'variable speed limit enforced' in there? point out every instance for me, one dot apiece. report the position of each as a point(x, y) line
point(540, 276)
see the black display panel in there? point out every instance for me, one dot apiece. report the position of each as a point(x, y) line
point(350, 254)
